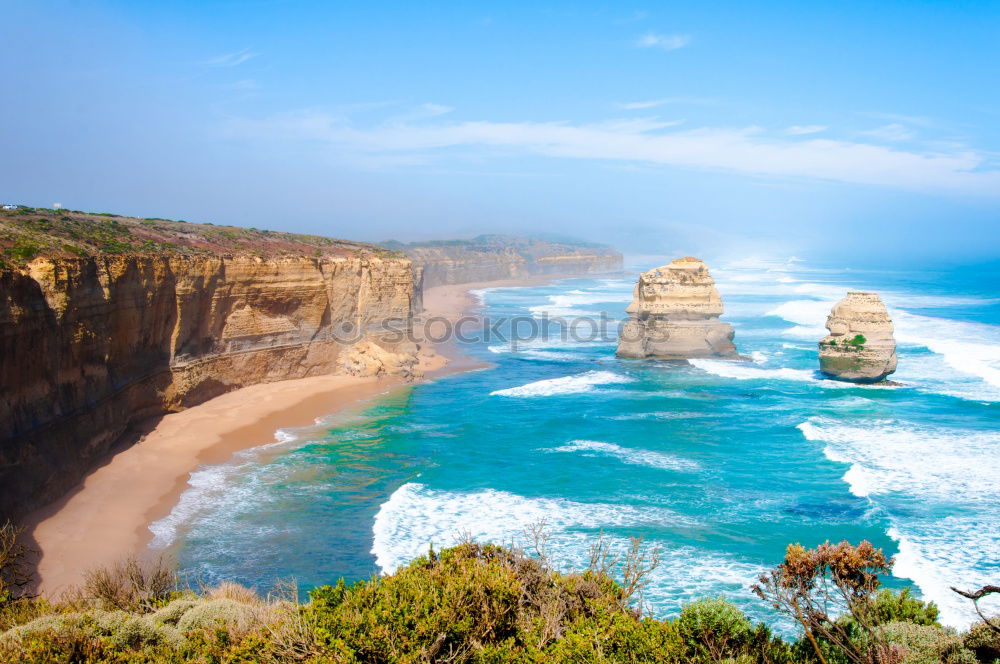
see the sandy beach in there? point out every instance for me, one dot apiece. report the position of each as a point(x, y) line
point(107, 516)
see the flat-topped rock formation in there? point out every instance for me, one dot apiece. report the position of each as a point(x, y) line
point(674, 315)
point(860, 347)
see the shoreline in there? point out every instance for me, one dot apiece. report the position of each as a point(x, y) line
point(107, 516)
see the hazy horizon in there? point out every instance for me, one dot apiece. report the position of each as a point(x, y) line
point(828, 132)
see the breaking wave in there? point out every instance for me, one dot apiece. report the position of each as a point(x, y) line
point(938, 488)
point(585, 382)
point(635, 457)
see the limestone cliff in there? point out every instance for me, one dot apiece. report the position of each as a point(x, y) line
point(674, 315)
point(860, 347)
point(93, 341)
point(493, 257)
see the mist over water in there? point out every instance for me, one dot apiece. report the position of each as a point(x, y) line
point(721, 464)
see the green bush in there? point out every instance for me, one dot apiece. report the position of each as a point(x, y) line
point(903, 607)
point(229, 613)
point(469, 604)
point(858, 340)
point(927, 644)
point(121, 630)
point(172, 612)
point(984, 642)
point(24, 251)
point(713, 630)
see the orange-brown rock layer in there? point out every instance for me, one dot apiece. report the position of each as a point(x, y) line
point(90, 346)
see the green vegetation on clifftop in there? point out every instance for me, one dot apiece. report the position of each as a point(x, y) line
point(29, 232)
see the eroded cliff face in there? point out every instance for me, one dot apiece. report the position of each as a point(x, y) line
point(491, 258)
point(861, 346)
point(90, 346)
point(674, 315)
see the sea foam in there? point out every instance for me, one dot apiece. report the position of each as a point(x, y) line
point(632, 456)
point(209, 485)
point(416, 516)
point(938, 487)
point(585, 382)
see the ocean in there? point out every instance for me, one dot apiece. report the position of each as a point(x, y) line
point(719, 464)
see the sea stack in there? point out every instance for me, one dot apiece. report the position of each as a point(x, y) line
point(674, 315)
point(860, 347)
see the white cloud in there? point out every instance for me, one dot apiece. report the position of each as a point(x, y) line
point(802, 130)
point(664, 42)
point(653, 103)
point(891, 132)
point(748, 151)
point(230, 59)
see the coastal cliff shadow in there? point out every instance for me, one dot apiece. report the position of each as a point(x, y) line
point(134, 435)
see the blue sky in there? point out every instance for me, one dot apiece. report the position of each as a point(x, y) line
point(825, 130)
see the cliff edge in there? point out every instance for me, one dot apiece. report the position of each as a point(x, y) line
point(674, 315)
point(861, 346)
point(106, 321)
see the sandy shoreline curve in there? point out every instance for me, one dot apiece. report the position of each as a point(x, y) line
point(107, 516)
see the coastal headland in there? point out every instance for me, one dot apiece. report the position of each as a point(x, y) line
point(170, 345)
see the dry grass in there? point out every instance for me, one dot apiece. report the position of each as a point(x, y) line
point(130, 585)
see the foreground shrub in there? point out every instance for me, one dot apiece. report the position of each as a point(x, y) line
point(131, 585)
point(15, 570)
point(484, 603)
point(830, 592)
point(480, 604)
point(714, 630)
point(984, 641)
point(888, 607)
point(924, 644)
point(235, 616)
point(172, 612)
point(118, 629)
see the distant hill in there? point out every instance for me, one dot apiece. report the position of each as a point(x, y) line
point(500, 257)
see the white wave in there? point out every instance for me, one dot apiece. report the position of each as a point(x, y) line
point(939, 487)
point(942, 552)
point(416, 516)
point(758, 357)
point(210, 485)
point(574, 303)
point(635, 457)
point(971, 348)
point(891, 456)
point(563, 339)
point(585, 382)
point(746, 371)
point(480, 294)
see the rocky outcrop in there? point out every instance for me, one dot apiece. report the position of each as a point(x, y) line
point(496, 257)
point(860, 347)
point(91, 345)
point(674, 315)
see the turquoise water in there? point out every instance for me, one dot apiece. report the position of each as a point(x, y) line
point(720, 464)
